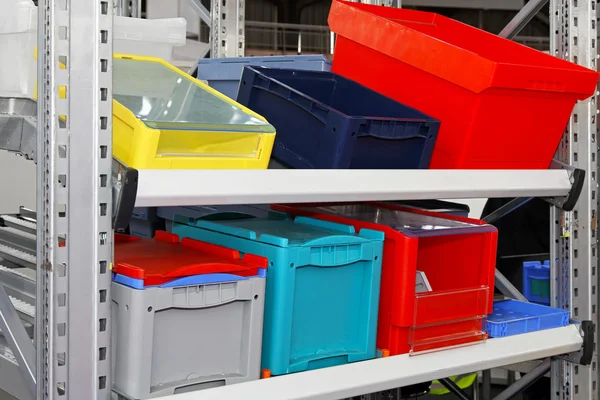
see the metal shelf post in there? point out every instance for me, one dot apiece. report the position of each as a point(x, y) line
point(573, 36)
point(74, 199)
point(227, 33)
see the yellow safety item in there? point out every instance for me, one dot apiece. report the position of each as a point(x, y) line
point(462, 381)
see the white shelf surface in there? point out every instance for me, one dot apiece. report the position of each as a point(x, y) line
point(398, 371)
point(214, 187)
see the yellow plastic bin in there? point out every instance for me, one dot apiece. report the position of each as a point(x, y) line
point(165, 119)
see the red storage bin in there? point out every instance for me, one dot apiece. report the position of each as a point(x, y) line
point(458, 256)
point(502, 105)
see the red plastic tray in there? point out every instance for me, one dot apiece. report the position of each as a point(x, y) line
point(502, 105)
point(459, 265)
point(165, 258)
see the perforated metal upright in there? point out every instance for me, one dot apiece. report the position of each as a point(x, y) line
point(227, 33)
point(74, 199)
point(573, 36)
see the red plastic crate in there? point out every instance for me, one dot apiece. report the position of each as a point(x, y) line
point(459, 264)
point(502, 105)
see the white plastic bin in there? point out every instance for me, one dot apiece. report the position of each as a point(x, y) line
point(18, 40)
point(148, 37)
point(18, 31)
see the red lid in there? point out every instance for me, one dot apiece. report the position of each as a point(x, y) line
point(164, 258)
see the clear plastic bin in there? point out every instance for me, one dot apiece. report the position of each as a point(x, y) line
point(18, 38)
point(165, 119)
point(148, 37)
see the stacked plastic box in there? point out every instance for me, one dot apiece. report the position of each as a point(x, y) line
point(322, 289)
point(437, 281)
point(186, 316)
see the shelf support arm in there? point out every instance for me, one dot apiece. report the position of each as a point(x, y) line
point(525, 381)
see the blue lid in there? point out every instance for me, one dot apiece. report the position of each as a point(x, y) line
point(537, 264)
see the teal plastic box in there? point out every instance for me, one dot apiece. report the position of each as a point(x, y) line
point(322, 294)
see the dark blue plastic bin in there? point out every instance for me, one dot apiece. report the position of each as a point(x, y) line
point(536, 281)
point(326, 121)
point(223, 74)
point(512, 317)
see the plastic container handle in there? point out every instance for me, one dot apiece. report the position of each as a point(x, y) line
point(387, 129)
point(285, 92)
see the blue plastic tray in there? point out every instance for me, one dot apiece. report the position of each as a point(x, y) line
point(323, 285)
point(536, 281)
point(326, 121)
point(223, 74)
point(512, 317)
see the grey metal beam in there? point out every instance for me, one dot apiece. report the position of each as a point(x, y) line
point(522, 18)
point(573, 240)
point(11, 380)
point(525, 381)
point(202, 12)
point(507, 288)
point(18, 340)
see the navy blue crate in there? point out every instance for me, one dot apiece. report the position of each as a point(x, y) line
point(512, 317)
point(536, 281)
point(144, 222)
point(326, 121)
point(223, 74)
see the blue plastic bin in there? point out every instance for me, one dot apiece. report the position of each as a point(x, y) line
point(326, 121)
point(223, 74)
point(322, 286)
point(536, 281)
point(144, 222)
point(512, 317)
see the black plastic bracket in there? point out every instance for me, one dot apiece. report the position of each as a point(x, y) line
point(577, 177)
point(125, 184)
point(585, 355)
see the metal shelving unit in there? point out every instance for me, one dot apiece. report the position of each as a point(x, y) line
point(573, 36)
point(71, 356)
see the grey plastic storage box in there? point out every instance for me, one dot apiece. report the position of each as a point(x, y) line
point(224, 74)
point(175, 334)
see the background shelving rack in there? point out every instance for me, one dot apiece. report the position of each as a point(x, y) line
point(72, 358)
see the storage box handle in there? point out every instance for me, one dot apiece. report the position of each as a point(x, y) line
point(388, 129)
point(293, 96)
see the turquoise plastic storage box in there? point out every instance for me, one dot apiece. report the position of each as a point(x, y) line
point(322, 288)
